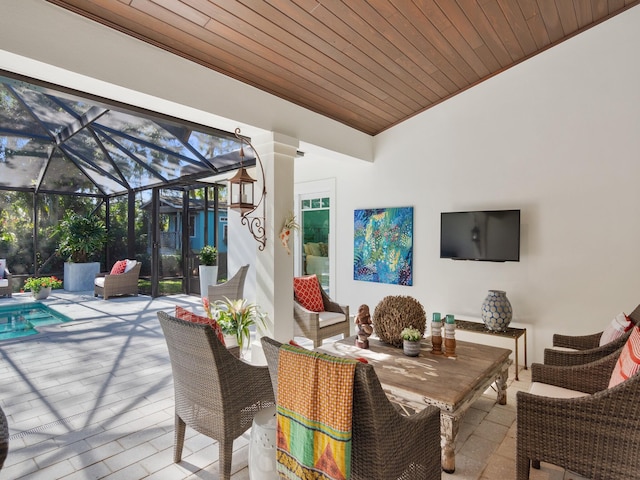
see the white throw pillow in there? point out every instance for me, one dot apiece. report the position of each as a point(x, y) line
point(618, 326)
point(130, 265)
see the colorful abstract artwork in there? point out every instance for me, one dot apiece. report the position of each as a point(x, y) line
point(383, 245)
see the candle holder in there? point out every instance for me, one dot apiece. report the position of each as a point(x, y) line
point(450, 337)
point(436, 334)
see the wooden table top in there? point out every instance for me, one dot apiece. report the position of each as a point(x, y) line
point(429, 379)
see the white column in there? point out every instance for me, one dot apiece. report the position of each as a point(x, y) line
point(274, 267)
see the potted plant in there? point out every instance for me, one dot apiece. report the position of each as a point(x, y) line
point(411, 338)
point(41, 287)
point(80, 239)
point(236, 317)
point(208, 269)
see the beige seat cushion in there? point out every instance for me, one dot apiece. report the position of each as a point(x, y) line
point(4, 282)
point(330, 318)
point(546, 390)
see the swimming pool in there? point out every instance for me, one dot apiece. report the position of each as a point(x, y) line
point(20, 320)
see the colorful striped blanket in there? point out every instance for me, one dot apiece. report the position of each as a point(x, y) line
point(315, 403)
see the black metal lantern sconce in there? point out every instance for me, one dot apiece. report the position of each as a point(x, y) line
point(242, 196)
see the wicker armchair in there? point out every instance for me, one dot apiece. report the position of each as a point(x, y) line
point(596, 436)
point(312, 325)
point(586, 347)
point(7, 290)
point(216, 394)
point(122, 284)
point(233, 289)
point(4, 438)
point(385, 444)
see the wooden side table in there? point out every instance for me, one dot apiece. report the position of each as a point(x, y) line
point(510, 332)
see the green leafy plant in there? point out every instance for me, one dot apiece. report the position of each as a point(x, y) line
point(236, 317)
point(411, 334)
point(208, 255)
point(36, 284)
point(80, 237)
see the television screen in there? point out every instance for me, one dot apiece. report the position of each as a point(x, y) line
point(492, 236)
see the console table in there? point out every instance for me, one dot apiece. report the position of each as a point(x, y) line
point(510, 332)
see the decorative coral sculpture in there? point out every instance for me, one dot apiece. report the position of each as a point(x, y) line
point(395, 313)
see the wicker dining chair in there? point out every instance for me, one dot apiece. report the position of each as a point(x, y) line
point(233, 289)
point(596, 436)
point(585, 348)
point(216, 394)
point(385, 444)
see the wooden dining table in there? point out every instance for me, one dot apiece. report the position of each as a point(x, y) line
point(451, 384)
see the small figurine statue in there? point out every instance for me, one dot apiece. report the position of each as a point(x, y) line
point(364, 326)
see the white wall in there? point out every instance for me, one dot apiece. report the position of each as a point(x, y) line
point(558, 137)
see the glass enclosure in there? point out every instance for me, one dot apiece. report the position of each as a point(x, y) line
point(315, 238)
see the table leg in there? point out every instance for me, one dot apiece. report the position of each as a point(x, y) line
point(501, 384)
point(449, 431)
point(517, 359)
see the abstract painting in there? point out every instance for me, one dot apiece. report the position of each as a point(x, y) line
point(383, 245)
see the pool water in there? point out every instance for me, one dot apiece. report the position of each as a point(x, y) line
point(22, 319)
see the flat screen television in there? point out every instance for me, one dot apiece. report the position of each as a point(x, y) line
point(492, 236)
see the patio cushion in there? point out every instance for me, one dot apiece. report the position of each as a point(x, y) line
point(130, 264)
point(628, 363)
point(620, 324)
point(307, 291)
point(3, 265)
point(4, 282)
point(99, 282)
point(330, 318)
point(118, 267)
point(184, 314)
point(553, 391)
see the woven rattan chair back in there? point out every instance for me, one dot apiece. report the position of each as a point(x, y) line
point(233, 289)
point(385, 444)
point(216, 394)
point(4, 438)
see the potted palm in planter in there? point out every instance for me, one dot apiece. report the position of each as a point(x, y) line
point(81, 238)
point(208, 270)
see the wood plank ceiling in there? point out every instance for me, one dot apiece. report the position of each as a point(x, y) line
point(367, 63)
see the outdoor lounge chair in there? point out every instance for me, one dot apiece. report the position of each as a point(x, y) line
point(596, 435)
point(5, 283)
point(385, 444)
point(108, 285)
point(233, 289)
point(585, 348)
point(216, 394)
point(332, 320)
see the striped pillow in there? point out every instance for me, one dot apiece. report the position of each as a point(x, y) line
point(628, 363)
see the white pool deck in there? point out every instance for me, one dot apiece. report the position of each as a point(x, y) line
point(93, 399)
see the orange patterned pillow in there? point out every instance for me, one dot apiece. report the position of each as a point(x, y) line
point(118, 267)
point(307, 291)
point(628, 363)
point(184, 314)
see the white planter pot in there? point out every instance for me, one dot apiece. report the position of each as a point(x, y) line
point(208, 276)
point(80, 277)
